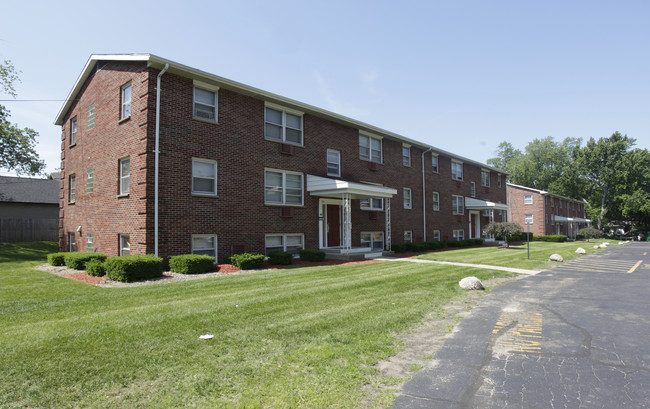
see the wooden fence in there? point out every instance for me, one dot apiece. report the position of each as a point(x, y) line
point(29, 230)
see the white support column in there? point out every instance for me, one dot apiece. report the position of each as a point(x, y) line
point(347, 223)
point(387, 240)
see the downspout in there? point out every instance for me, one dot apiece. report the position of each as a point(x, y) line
point(157, 161)
point(424, 198)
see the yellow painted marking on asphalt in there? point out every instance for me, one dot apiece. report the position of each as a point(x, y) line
point(645, 253)
point(635, 266)
point(524, 336)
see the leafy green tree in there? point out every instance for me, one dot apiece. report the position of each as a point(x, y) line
point(17, 146)
point(503, 230)
point(507, 158)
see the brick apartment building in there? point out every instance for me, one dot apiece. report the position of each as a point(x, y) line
point(546, 213)
point(161, 158)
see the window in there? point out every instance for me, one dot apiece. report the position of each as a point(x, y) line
point(436, 201)
point(73, 131)
point(457, 204)
point(459, 235)
point(283, 188)
point(406, 155)
point(456, 170)
point(205, 244)
point(125, 111)
point(89, 243)
point(370, 148)
point(434, 163)
point(90, 179)
point(472, 189)
point(436, 235)
point(408, 236)
point(204, 177)
point(283, 126)
point(485, 178)
point(72, 187)
point(91, 117)
point(528, 219)
point(125, 176)
point(528, 199)
point(291, 243)
point(125, 245)
point(205, 104)
point(372, 204)
point(333, 163)
point(499, 180)
point(373, 240)
point(407, 198)
point(560, 203)
point(72, 243)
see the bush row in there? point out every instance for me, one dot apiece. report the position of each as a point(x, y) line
point(191, 264)
point(555, 238)
point(434, 245)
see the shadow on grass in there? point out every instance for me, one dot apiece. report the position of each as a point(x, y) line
point(33, 251)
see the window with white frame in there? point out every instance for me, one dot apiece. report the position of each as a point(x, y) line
point(456, 170)
point(73, 131)
point(125, 245)
point(72, 188)
point(457, 204)
point(90, 180)
point(91, 117)
point(370, 148)
point(125, 176)
point(528, 199)
point(372, 204)
point(89, 243)
point(499, 180)
point(406, 155)
point(283, 126)
point(434, 163)
point(205, 245)
point(528, 219)
point(291, 243)
point(408, 236)
point(459, 235)
point(283, 188)
point(472, 189)
point(205, 104)
point(436, 201)
point(333, 163)
point(204, 177)
point(436, 235)
point(72, 242)
point(485, 178)
point(407, 198)
point(373, 240)
point(125, 110)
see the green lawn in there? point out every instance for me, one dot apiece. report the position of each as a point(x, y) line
point(516, 256)
point(304, 337)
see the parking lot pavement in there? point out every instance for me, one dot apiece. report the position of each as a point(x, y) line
point(574, 336)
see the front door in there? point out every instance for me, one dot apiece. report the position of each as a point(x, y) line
point(333, 225)
point(474, 225)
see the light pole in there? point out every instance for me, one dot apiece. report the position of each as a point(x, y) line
point(528, 238)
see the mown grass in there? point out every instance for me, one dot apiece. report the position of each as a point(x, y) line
point(304, 337)
point(516, 256)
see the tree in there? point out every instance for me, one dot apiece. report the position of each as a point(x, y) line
point(17, 146)
point(503, 230)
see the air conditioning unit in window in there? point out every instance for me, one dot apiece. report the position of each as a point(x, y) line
point(286, 149)
point(199, 113)
point(287, 212)
point(373, 165)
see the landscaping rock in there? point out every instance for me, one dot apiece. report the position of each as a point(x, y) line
point(471, 283)
point(556, 257)
point(604, 245)
point(580, 250)
point(596, 247)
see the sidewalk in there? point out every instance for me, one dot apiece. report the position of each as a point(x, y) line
point(483, 266)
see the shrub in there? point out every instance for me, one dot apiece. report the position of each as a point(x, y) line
point(280, 257)
point(78, 261)
point(191, 264)
point(503, 231)
point(419, 247)
point(56, 259)
point(436, 245)
point(398, 247)
point(133, 268)
point(590, 233)
point(248, 261)
point(453, 243)
point(312, 255)
point(95, 268)
point(555, 238)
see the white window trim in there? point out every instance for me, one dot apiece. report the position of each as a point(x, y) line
point(436, 235)
point(472, 189)
point(408, 233)
point(458, 237)
point(437, 169)
point(499, 183)
point(90, 124)
point(436, 201)
point(528, 217)
point(338, 153)
point(408, 197)
point(406, 159)
point(74, 129)
point(72, 242)
point(381, 147)
point(90, 180)
point(485, 182)
point(285, 111)
point(210, 88)
point(72, 188)
point(216, 177)
point(455, 174)
point(372, 241)
point(454, 199)
point(124, 102)
point(371, 207)
point(284, 187)
point(284, 240)
point(526, 201)
point(215, 244)
point(122, 248)
point(90, 242)
point(122, 177)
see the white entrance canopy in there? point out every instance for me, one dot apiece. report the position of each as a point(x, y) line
point(334, 188)
point(562, 219)
point(478, 204)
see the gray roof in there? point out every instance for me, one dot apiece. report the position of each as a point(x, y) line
point(29, 190)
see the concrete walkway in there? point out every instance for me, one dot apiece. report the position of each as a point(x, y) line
point(483, 266)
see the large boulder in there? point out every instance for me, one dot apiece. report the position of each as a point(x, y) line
point(556, 257)
point(596, 247)
point(471, 283)
point(580, 250)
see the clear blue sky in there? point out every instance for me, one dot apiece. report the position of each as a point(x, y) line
point(460, 75)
